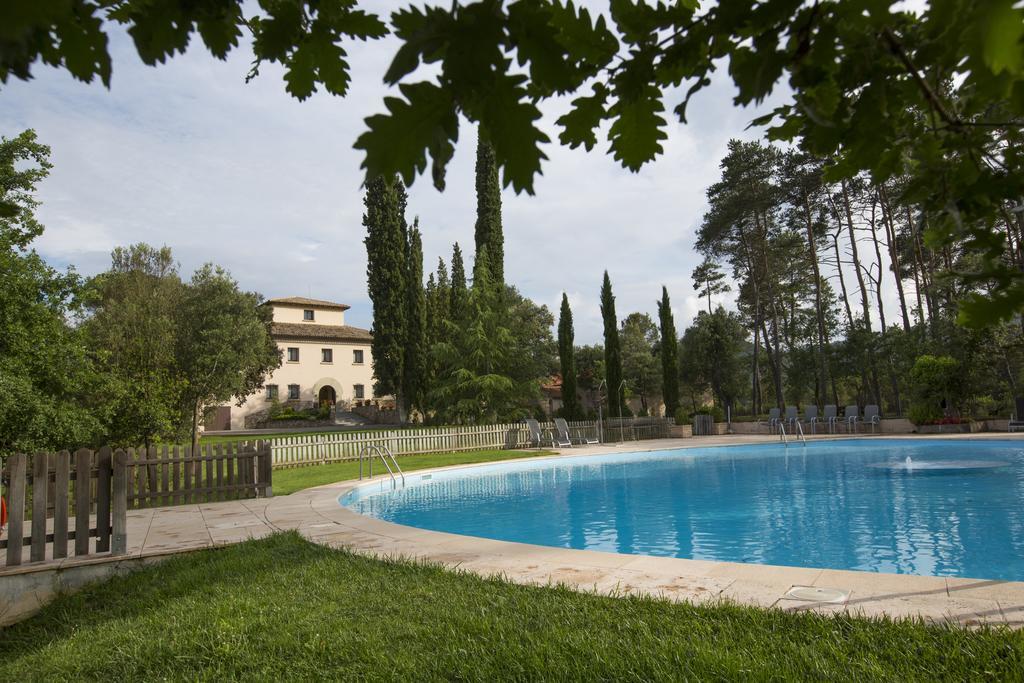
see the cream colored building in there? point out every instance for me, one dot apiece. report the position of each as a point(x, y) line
point(323, 360)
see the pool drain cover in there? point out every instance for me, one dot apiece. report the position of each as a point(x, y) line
point(812, 594)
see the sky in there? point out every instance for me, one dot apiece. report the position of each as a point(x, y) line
point(188, 155)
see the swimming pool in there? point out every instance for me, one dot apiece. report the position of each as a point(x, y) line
point(848, 504)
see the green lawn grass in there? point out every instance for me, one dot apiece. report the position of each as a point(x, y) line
point(295, 479)
point(284, 609)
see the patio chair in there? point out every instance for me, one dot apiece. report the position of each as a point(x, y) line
point(1017, 419)
point(773, 419)
point(831, 418)
point(872, 416)
point(791, 417)
point(562, 426)
point(537, 437)
point(811, 417)
point(851, 416)
point(561, 436)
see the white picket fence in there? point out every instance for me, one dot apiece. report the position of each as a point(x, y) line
point(301, 450)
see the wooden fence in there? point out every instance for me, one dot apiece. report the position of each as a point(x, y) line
point(301, 450)
point(173, 475)
point(52, 490)
point(703, 425)
point(52, 496)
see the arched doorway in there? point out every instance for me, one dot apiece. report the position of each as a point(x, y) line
point(327, 395)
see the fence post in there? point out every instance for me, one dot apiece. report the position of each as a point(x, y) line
point(62, 480)
point(40, 470)
point(103, 467)
point(83, 465)
point(264, 471)
point(15, 508)
point(119, 500)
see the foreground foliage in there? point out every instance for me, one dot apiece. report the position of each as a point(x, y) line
point(935, 95)
point(285, 609)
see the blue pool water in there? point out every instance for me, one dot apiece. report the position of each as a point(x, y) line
point(838, 504)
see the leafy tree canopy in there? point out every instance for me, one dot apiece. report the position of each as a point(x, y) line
point(937, 95)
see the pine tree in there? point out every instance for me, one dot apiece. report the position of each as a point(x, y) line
point(458, 300)
point(708, 279)
point(488, 230)
point(415, 365)
point(567, 360)
point(385, 276)
point(669, 355)
point(612, 352)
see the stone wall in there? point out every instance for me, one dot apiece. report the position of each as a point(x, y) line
point(26, 590)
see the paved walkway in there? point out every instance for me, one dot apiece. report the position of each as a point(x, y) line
point(316, 514)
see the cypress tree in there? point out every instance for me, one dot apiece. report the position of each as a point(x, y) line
point(458, 299)
point(385, 279)
point(612, 352)
point(488, 230)
point(415, 365)
point(444, 288)
point(567, 360)
point(669, 355)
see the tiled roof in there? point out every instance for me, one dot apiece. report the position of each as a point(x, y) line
point(303, 301)
point(319, 332)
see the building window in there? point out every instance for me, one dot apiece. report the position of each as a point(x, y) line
point(358, 390)
point(293, 392)
point(307, 314)
point(293, 354)
point(271, 392)
point(326, 356)
point(357, 356)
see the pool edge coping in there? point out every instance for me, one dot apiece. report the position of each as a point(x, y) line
point(970, 602)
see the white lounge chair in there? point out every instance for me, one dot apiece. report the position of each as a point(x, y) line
point(774, 417)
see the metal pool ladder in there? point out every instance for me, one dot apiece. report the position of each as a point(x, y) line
point(385, 454)
point(799, 433)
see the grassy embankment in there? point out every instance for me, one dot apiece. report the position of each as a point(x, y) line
point(282, 608)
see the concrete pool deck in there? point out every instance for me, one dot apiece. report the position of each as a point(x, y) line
point(315, 513)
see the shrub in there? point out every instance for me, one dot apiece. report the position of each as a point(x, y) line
point(716, 413)
point(682, 416)
point(936, 388)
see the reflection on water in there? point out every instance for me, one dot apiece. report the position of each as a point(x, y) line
point(821, 506)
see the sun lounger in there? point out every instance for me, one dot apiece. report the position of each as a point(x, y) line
point(1017, 419)
point(811, 417)
point(831, 418)
point(538, 436)
point(562, 429)
point(872, 416)
point(851, 416)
